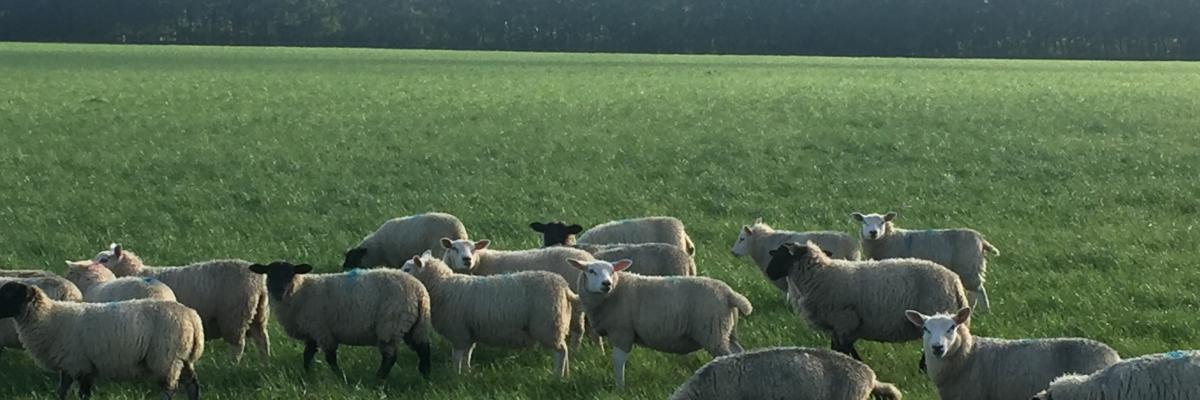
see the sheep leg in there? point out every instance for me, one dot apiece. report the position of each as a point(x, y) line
point(561, 358)
point(619, 357)
point(387, 354)
point(86, 384)
point(981, 300)
point(190, 382)
point(467, 357)
point(734, 345)
point(64, 385)
point(457, 355)
point(853, 352)
point(310, 352)
point(424, 360)
point(331, 359)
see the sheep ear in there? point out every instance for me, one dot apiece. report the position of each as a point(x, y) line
point(446, 243)
point(537, 227)
point(579, 265)
point(427, 253)
point(417, 261)
point(962, 316)
point(574, 229)
point(773, 253)
point(758, 220)
point(857, 216)
point(746, 230)
point(258, 268)
point(890, 216)
point(916, 318)
point(116, 249)
point(827, 253)
point(302, 269)
point(482, 244)
point(622, 265)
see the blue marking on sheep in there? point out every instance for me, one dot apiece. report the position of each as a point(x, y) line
point(149, 280)
point(1176, 354)
point(353, 273)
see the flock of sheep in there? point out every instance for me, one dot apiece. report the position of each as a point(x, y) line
point(632, 282)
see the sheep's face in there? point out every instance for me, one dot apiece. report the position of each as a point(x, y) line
point(87, 272)
point(742, 245)
point(281, 276)
point(874, 226)
point(556, 233)
point(600, 276)
point(354, 258)
point(939, 332)
point(418, 263)
point(782, 260)
point(462, 254)
point(13, 297)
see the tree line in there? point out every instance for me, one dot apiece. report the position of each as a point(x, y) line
point(1108, 29)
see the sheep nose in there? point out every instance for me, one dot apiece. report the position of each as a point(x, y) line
point(467, 261)
point(939, 350)
point(606, 285)
point(873, 233)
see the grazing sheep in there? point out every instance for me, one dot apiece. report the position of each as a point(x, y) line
point(400, 239)
point(380, 308)
point(673, 314)
point(960, 250)
point(230, 299)
point(759, 239)
point(510, 310)
point(132, 339)
point(474, 257)
point(852, 300)
point(25, 273)
point(649, 259)
point(785, 373)
point(639, 230)
point(1168, 376)
point(99, 285)
point(968, 367)
point(55, 288)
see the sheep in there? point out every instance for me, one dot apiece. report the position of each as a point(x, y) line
point(399, 239)
point(26, 273)
point(474, 257)
point(658, 259)
point(99, 285)
point(55, 287)
point(231, 301)
point(1168, 376)
point(511, 310)
point(759, 239)
point(852, 300)
point(132, 339)
point(785, 373)
point(357, 308)
point(675, 314)
point(960, 250)
point(963, 366)
point(639, 230)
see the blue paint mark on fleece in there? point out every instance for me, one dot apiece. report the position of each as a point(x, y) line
point(354, 273)
point(1175, 355)
point(149, 280)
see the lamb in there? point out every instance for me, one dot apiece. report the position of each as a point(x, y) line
point(963, 366)
point(230, 299)
point(852, 300)
point(399, 239)
point(133, 339)
point(55, 287)
point(1168, 376)
point(688, 313)
point(759, 239)
point(511, 310)
point(785, 373)
point(639, 230)
point(378, 308)
point(99, 285)
point(960, 250)
point(474, 257)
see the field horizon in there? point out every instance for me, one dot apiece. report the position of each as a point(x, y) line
point(1082, 173)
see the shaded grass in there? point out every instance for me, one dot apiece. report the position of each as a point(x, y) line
point(1083, 173)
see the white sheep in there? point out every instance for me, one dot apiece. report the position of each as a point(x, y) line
point(400, 239)
point(474, 257)
point(785, 373)
point(1169, 376)
point(960, 250)
point(759, 239)
point(379, 308)
point(230, 299)
point(649, 259)
point(55, 287)
point(963, 366)
point(853, 300)
point(157, 339)
point(643, 230)
point(509, 310)
point(673, 314)
point(99, 285)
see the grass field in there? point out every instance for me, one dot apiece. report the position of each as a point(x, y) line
point(1084, 174)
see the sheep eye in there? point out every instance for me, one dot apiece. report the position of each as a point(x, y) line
point(104, 259)
point(926, 330)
